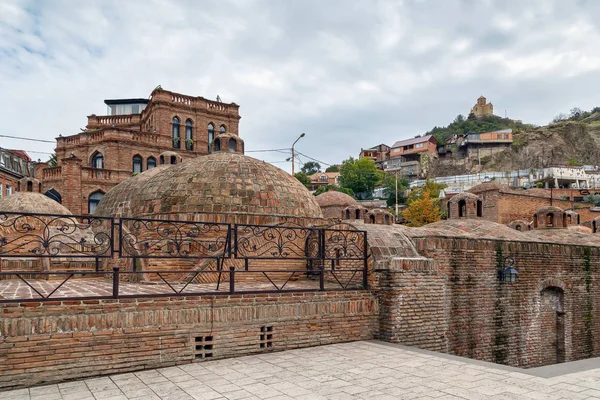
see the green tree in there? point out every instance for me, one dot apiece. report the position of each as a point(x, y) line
point(389, 191)
point(303, 178)
point(430, 186)
point(332, 168)
point(327, 188)
point(592, 198)
point(53, 161)
point(360, 175)
point(311, 167)
point(422, 210)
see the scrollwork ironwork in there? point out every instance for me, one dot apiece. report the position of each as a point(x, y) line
point(51, 235)
point(173, 239)
point(275, 242)
point(344, 244)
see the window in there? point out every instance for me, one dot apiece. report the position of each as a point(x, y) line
point(211, 136)
point(93, 201)
point(217, 145)
point(16, 165)
point(97, 160)
point(162, 160)
point(506, 136)
point(173, 160)
point(29, 186)
point(222, 129)
point(232, 145)
point(151, 163)
point(499, 136)
point(2, 194)
point(176, 136)
point(8, 190)
point(549, 220)
point(189, 143)
point(137, 164)
point(54, 195)
point(323, 178)
point(419, 145)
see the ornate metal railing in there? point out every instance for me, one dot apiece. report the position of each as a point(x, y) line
point(53, 235)
point(217, 255)
point(153, 238)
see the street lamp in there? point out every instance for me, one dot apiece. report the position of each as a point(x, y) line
point(299, 137)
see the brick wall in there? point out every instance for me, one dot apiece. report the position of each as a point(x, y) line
point(505, 323)
point(54, 341)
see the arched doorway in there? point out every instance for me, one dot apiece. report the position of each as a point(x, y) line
point(552, 326)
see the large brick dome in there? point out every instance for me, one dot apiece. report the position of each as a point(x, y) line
point(32, 202)
point(220, 187)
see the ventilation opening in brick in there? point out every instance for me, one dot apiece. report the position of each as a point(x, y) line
point(203, 347)
point(266, 337)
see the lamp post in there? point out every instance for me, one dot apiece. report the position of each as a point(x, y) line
point(509, 273)
point(299, 137)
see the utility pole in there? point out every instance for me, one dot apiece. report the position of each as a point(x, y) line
point(299, 137)
point(396, 194)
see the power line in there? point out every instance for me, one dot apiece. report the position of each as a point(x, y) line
point(314, 159)
point(30, 139)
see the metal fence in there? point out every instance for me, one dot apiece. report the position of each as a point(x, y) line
point(193, 258)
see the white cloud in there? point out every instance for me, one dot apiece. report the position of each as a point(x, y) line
point(348, 73)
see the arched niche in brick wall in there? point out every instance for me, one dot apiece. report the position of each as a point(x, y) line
point(549, 217)
point(465, 205)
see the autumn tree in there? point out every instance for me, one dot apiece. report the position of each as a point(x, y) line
point(422, 210)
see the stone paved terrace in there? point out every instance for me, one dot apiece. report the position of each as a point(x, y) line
point(359, 370)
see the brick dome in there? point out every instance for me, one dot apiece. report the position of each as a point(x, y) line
point(220, 187)
point(335, 198)
point(32, 202)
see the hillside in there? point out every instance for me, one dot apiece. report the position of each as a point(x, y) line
point(561, 143)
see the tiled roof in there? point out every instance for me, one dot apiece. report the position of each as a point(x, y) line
point(408, 142)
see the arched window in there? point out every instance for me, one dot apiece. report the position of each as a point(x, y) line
point(137, 164)
point(162, 160)
point(386, 219)
point(54, 195)
point(93, 201)
point(173, 160)
point(222, 130)
point(518, 227)
point(479, 208)
point(29, 186)
point(176, 134)
point(189, 141)
point(594, 229)
point(151, 163)
point(357, 213)
point(535, 221)
point(211, 136)
point(232, 145)
point(98, 160)
point(218, 145)
point(569, 220)
point(549, 219)
point(347, 214)
point(372, 218)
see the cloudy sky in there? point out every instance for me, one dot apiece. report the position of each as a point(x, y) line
point(350, 74)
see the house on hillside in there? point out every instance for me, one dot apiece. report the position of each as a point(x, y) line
point(378, 153)
point(410, 157)
point(319, 179)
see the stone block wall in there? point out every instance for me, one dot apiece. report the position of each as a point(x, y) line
point(54, 341)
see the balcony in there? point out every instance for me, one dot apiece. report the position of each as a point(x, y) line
point(52, 173)
point(105, 121)
point(95, 137)
point(194, 102)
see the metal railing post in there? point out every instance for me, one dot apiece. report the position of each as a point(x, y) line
point(231, 279)
point(115, 282)
point(322, 269)
point(365, 280)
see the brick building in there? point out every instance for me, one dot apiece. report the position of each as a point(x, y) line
point(14, 165)
point(137, 135)
point(319, 179)
point(410, 158)
point(377, 153)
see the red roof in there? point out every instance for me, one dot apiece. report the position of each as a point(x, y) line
point(21, 154)
point(408, 142)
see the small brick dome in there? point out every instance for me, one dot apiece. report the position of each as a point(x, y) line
point(549, 217)
point(32, 202)
point(332, 203)
point(572, 217)
point(465, 205)
point(169, 158)
point(29, 184)
point(220, 187)
point(520, 225)
point(379, 216)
